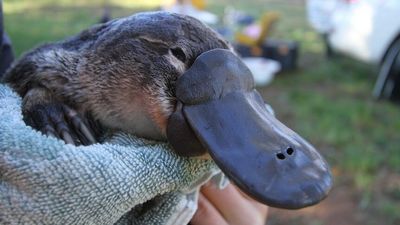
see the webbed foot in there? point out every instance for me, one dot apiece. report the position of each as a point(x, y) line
point(59, 120)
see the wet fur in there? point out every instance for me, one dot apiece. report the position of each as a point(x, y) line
point(122, 72)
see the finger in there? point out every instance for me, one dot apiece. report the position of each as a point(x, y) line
point(85, 134)
point(206, 214)
point(234, 207)
point(261, 207)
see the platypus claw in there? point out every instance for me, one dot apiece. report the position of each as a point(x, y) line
point(85, 133)
point(56, 120)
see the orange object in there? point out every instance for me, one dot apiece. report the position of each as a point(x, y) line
point(199, 4)
point(267, 21)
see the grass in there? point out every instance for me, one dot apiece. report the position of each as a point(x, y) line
point(327, 101)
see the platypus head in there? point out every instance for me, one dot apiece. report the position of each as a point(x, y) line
point(138, 60)
point(168, 76)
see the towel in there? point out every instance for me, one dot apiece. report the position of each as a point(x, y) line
point(127, 180)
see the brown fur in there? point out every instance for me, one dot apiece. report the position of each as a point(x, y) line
point(122, 72)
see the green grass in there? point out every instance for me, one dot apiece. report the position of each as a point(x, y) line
point(327, 101)
point(28, 30)
point(334, 107)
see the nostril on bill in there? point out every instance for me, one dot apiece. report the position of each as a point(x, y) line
point(283, 155)
point(280, 156)
point(290, 151)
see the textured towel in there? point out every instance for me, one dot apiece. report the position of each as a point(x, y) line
point(127, 180)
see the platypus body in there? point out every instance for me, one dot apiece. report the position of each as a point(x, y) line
point(169, 77)
point(121, 72)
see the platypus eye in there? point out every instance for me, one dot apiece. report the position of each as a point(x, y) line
point(179, 54)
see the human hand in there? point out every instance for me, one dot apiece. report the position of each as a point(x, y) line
point(228, 206)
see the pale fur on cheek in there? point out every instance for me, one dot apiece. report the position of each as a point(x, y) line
point(179, 65)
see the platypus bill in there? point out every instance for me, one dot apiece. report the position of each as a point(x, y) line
point(169, 77)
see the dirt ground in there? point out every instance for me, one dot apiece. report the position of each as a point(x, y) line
point(339, 208)
point(345, 204)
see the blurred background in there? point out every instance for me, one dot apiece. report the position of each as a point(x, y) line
point(329, 68)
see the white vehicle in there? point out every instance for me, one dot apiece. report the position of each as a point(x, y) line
point(368, 30)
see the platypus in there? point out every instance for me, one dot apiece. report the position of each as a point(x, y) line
point(169, 77)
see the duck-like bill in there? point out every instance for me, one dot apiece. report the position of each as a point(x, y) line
point(220, 111)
